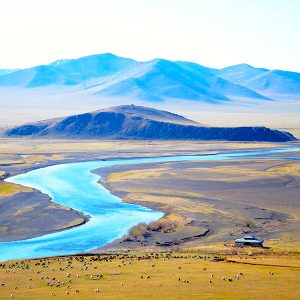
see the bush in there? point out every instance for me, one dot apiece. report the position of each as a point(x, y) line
point(166, 224)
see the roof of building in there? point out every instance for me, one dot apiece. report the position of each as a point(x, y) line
point(249, 239)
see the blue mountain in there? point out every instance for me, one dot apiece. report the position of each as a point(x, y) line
point(109, 75)
point(68, 71)
point(7, 71)
point(266, 82)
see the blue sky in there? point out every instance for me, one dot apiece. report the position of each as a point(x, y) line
point(216, 33)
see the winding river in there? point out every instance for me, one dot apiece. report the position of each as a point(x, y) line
point(74, 185)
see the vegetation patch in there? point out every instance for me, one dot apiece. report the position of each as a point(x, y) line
point(8, 189)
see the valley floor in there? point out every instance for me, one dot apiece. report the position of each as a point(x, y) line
point(203, 201)
point(189, 253)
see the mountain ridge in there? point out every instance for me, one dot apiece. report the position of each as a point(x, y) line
point(138, 122)
point(109, 75)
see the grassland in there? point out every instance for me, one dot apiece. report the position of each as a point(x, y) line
point(137, 275)
point(8, 189)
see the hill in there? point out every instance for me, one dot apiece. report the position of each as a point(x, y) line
point(136, 122)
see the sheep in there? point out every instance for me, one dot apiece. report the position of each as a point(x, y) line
point(77, 291)
point(11, 295)
point(97, 290)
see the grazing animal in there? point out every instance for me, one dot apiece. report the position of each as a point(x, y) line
point(210, 281)
point(77, 291)
point(271, 273)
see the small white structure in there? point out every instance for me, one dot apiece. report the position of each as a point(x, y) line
point(249, 240)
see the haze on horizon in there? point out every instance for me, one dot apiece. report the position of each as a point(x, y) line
point(263, 33)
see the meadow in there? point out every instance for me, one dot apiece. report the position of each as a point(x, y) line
point(243, 274)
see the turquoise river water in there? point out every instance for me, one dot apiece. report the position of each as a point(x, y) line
point(74, 185)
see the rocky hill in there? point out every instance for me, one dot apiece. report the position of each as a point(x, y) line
point(137, 122)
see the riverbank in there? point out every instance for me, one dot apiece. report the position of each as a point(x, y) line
point(216, 201)
point(24, 156)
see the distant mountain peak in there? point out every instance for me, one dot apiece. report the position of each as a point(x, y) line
point(110, 75)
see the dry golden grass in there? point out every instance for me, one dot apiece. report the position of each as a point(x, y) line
point(30, 146)
point(8, 189)
point(171, 203)
point(286, 169)
point(23, 211)
point(136, 174)
point(163, 192)
point(122, 278)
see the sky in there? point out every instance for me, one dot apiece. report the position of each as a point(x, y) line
point(215, 33)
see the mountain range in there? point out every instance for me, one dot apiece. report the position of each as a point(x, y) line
point(137, 122)
point(108, 75)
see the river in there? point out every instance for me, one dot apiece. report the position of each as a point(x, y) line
point(74, 185)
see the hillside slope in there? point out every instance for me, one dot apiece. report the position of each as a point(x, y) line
point(136, 122)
